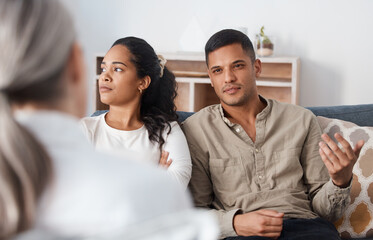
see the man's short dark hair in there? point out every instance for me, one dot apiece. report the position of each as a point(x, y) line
point(227, 37)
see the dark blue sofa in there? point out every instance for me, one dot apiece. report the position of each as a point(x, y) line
point(361, 115)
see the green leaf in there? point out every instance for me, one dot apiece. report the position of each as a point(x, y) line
point(265, 38)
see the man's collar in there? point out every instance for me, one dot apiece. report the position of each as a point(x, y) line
point(260, 115)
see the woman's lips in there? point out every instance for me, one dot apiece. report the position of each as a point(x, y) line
point(105, 89)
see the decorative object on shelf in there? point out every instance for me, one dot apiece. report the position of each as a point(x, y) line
point(264, 44)
point(193, 38)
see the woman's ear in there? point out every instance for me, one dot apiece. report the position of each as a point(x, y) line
point(144, 83)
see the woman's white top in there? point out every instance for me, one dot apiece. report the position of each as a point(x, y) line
point(92, 193)
point(136, 145)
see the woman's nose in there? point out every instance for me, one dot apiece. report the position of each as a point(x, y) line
point(105, 77)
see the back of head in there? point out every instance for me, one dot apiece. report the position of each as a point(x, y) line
point(157, 101)
point(227, 37)
point(35, 38)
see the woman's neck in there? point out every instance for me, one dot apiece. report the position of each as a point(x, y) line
point(124, 118)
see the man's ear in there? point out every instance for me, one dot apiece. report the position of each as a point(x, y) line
point(257, 67)
point(144, 83)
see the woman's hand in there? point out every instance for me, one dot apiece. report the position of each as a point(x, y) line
point(164, 161)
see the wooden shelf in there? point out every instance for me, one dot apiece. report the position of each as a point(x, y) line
point(98, 62)
point(279, 80)
point(194, 80)
point(190, 74)
point(273, 83)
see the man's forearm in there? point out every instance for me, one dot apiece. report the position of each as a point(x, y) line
point(225, 220)
point(331, 201)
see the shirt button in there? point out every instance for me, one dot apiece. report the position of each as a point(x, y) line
point(256, 150)
point(260, 177)
point(238, 130)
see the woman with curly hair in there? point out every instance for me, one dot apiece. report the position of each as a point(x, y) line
point(142, 120)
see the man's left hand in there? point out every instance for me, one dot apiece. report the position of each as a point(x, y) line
point(339, 162)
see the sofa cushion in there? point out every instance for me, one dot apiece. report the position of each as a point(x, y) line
point(357, 219)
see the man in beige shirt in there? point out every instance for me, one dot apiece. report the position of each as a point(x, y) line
point(256, 161)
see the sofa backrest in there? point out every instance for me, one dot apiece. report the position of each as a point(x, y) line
point(361, 114)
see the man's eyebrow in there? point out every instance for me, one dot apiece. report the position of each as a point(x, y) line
point(114, 63)
point(239, 61)
point(214, 67)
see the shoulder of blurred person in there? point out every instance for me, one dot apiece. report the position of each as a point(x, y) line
point(94, 189)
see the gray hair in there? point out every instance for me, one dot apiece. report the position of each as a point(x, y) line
point(36, 37)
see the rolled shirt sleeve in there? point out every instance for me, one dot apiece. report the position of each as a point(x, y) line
point(328, 201)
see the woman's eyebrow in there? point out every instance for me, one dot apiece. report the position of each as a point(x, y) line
point(114, 63)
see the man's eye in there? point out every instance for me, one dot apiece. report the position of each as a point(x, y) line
point(103, 70)
point(216, 71)
point(238, 65)
point(118, 70)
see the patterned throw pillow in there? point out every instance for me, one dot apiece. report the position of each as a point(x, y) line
point(357, 219)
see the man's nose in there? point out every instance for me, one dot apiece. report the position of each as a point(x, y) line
point(229, 76)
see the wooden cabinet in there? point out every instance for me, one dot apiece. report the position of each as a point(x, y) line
point(279, 80)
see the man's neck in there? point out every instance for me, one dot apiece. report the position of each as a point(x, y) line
point(246, 113)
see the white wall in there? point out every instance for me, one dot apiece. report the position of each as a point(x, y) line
point(98, 24)
point(333, 38)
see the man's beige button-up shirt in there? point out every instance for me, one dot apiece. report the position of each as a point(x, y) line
point(281, 170)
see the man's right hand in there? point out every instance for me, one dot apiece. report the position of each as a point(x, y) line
point(264, 223)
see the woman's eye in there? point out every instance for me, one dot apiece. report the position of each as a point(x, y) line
point(118, 70)
point(103, 70)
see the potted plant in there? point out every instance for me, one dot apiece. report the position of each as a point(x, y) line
point(264, 46)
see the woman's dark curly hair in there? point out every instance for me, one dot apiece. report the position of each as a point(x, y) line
point(157, 107)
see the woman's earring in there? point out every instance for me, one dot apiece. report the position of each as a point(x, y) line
point(140, 90)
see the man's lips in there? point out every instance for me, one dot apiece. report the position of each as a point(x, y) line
point(231, 89)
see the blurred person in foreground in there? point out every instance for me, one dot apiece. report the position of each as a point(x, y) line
point(52, 181)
